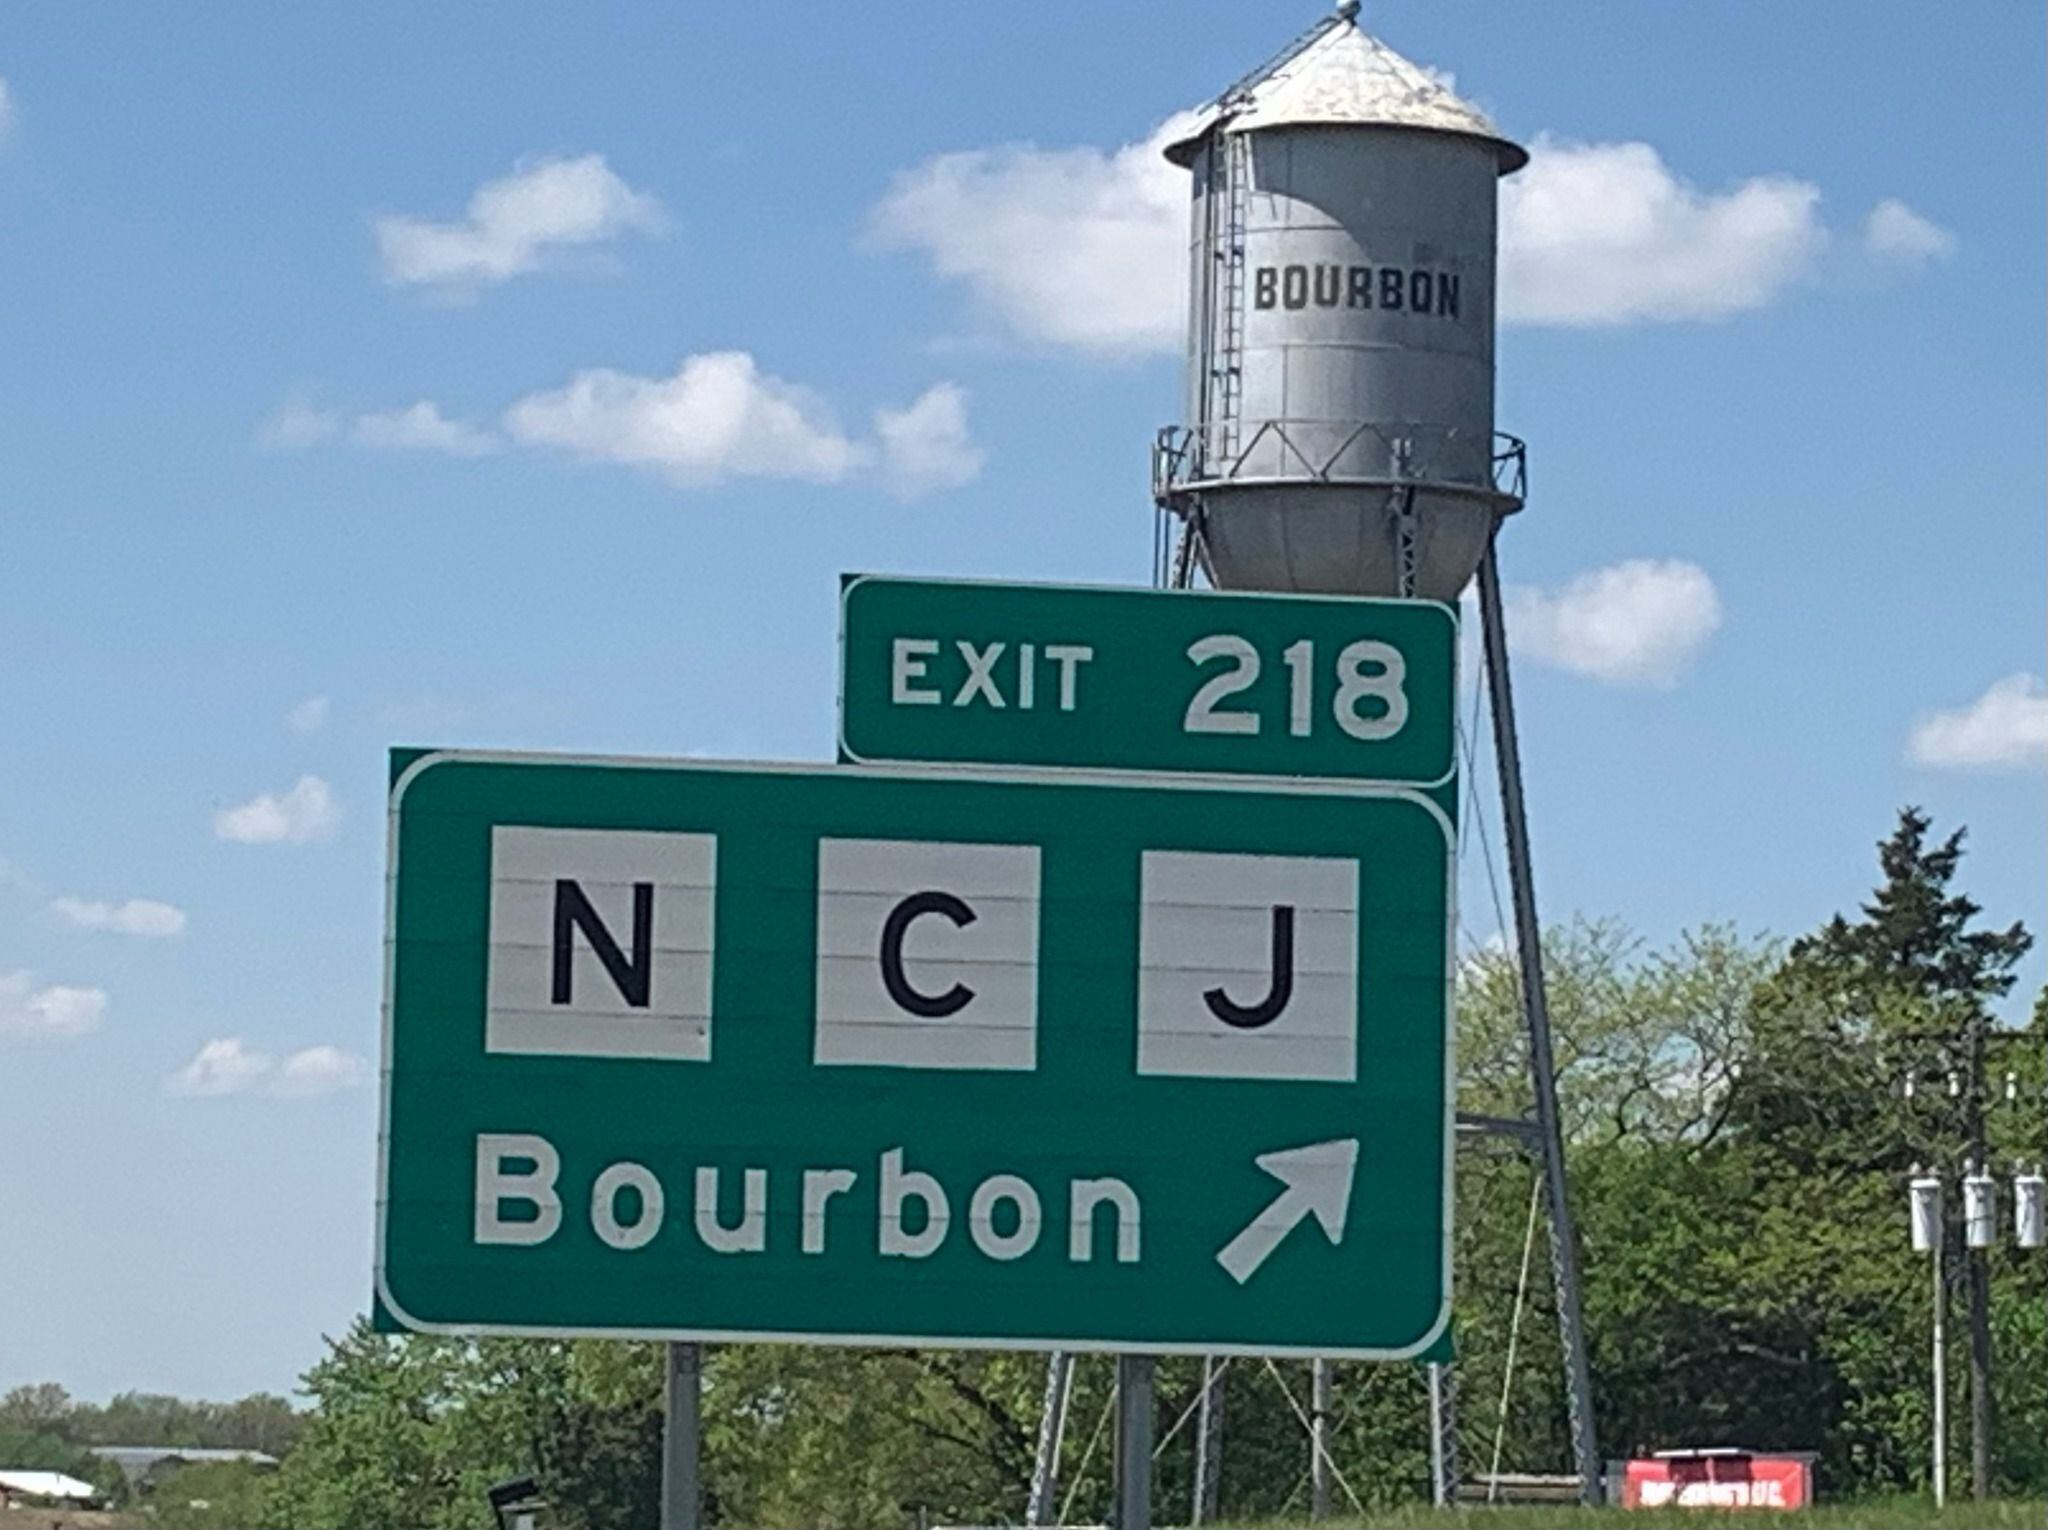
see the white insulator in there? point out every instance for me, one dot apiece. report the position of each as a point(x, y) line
point(2030, 1209)
point(1926, 1196)
point(1980, 1209)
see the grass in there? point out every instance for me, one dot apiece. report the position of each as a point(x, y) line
point(1866, 1514)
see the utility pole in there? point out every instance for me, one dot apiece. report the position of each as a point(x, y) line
point(1940, 1386)
point(1929, 1224)
point(1977, 1272)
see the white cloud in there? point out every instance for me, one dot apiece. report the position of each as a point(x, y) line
point(926, 446)
point(1604, 234)
point(309, 716)
point(1082, 248)
point(719, 417)
point(1085, 249)
point(1642, 622)
point(224, 1066)
point(423, 428)
point(513, 224)
point(132, 916)
point(30, 1013)
point(318, 1070)
point(229, 1065)
point(420, 427)
point(297, 423)
point(306, 813)
point(2006, 728)
point(1895, 232)
point(7, 108)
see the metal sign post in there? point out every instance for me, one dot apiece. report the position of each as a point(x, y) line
point(1320, 1403)
point(1443, 1435)
point(1133, 1442)
point(1209, 1442)
point(682, 1494)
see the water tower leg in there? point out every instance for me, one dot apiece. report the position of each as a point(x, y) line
point(681, 1496)
point(1052, 1429)
point(1564, 1255)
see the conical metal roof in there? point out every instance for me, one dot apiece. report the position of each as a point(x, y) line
point(1336, 75)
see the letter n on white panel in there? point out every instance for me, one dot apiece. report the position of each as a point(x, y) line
point(601, 943)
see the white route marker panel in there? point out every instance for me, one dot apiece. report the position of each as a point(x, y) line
point(927, 954)
point(601, 943)
point(1248, 966)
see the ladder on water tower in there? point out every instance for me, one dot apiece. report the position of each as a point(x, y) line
point(1226, 366)
point(1218, 433)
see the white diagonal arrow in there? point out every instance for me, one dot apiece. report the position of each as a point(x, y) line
point(1318, 1179)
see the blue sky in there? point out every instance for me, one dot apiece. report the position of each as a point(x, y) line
point(316, 443)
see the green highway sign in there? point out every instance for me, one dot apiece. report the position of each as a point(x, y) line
point(1335, 687)
point(854, 1055)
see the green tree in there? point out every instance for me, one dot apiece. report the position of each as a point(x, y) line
point(387, 1446)
point(41, 1407)
point(261, 1421)
point(411, 1432)
point(212, 1495)
point(1827, 1128)
point(808, 1436)
point(1649, 1045)
point(1916, 932)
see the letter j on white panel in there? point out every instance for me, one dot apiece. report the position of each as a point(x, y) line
point(1248, 966)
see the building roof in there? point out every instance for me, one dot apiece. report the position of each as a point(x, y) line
point(27, 1484)
point(140, 1460)
point(1338, 75)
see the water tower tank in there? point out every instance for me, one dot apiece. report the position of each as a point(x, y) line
point(1339, 434)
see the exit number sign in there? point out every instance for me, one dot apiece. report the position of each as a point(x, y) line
point(1329, 687)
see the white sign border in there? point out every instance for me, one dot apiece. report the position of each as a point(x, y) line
point(1128, 780)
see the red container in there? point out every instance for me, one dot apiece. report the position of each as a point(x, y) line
point(1722, 1477)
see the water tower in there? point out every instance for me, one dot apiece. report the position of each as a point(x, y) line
point(1339, 440)
point(1339, 435)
